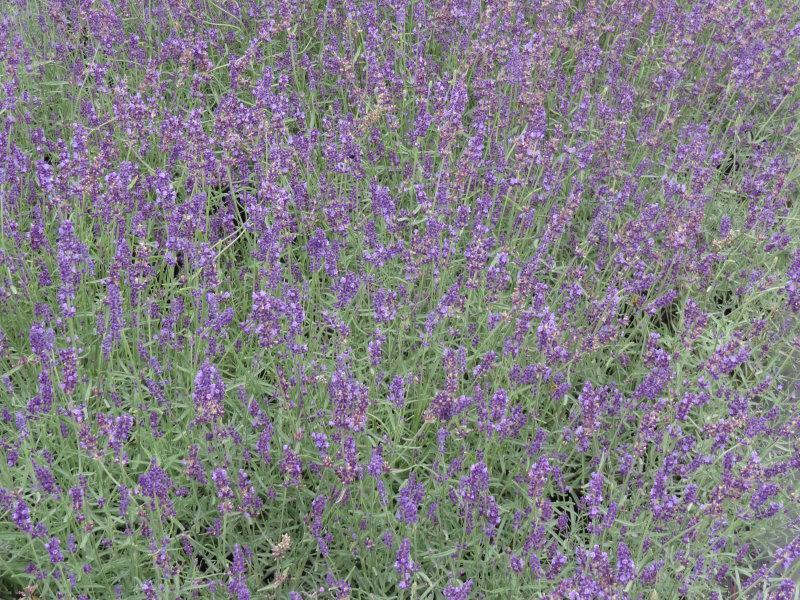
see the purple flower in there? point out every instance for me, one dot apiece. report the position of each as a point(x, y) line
point(593, 499)
point(350, 399)
point(538, 475)
point(116, 321)
point(316, 525)
point(149, 590)
point(785, 591)
point(124, 500)
point(42, 402)
point(68, 357)
point(118, 431)
point(728, 356)
point(626, 569)
point(346, 289)
point(156, 485)
point(251, 504)
point(351, 470)
point(53, 547)
point(237, 574)
point(724, 226)
point(650, 572)
point(21, 515)
point(42, 340)
point(291, 467)
point(46, 479)
point(384, 303)
point(403, 564)
point(397, 391)
point(764, 492)
point(209, 394)
point(475, 499)
point(793, 283)
point(458, 591)
point(73, 260)
point(224, 491)
point(374, 347)
point(264, 444)
point(516, 563)
point(383, 206)
point(409, 499)
point(275, 320)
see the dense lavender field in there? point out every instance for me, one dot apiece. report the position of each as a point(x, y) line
point(370, 299)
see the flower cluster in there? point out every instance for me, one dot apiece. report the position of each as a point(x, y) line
point(399, 298)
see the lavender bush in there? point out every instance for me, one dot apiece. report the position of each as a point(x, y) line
point(447, 299)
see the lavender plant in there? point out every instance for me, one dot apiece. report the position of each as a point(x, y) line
point(447, 299)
